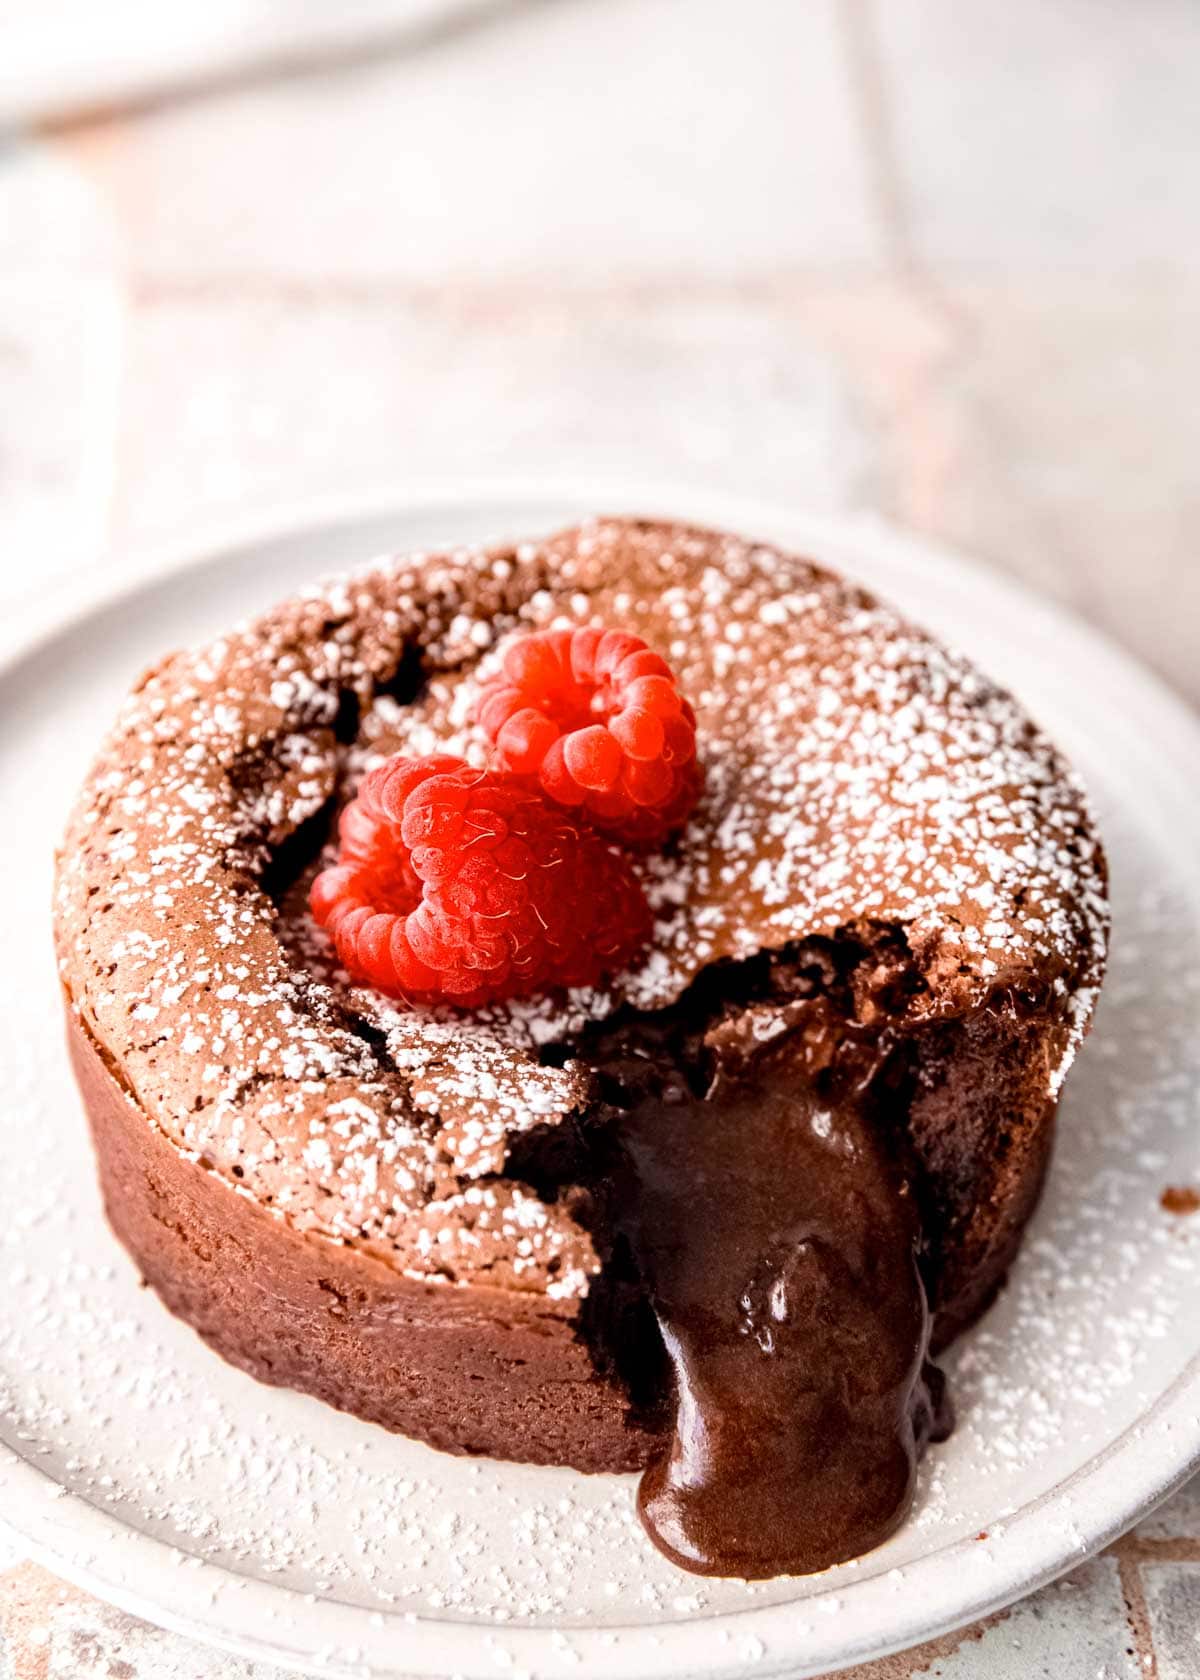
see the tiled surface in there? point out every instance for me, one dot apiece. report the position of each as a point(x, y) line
point(1066, 414)
point(61, 318)
point(1173, 1602)
point(1078, 121)
point(674, 386)
point(553, 143)
point(1109, 1620)
point(1075, 1627)
point(1177, 1520)
point(49, 1631)
point(905, 255)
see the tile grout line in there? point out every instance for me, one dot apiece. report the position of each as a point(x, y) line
point(872, 108)
point(1137, 1613)
point(875, 113)
point(1178, 1549)
point(922, 420)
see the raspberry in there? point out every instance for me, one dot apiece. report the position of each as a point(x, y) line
point(456, 885)
point(597, 718)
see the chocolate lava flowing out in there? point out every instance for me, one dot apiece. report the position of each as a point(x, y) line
point(757, 1193)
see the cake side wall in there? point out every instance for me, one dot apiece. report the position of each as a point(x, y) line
point(488, 1371)
point(468, 1370)
point(982, 1124)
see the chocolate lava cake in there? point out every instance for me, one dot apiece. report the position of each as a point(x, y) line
point(877, 945)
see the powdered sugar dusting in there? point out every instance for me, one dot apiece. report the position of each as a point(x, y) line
point(123, 1406)
point(855, 772)
point(384, 1541)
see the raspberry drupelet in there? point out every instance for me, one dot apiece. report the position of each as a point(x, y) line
point(596, 717)
point(461, 886)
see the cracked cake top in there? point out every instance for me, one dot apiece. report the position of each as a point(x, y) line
point(856, 774)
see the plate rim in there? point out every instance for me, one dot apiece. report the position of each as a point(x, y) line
point(215, 1605)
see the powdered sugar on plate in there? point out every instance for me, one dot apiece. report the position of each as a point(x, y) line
point(124, 1407)
point(309, 1536)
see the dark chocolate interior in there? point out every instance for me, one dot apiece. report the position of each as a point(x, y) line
point(749, 1180)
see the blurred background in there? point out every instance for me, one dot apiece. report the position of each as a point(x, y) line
point(923, 260)
point(933, 260)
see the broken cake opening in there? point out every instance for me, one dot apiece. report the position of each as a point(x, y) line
point(750, 1188)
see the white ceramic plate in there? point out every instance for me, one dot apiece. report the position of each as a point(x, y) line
point(136, 1463)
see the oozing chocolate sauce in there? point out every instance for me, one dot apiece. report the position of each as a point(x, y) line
point(778, 1239)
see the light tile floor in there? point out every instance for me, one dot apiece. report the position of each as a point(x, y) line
point(932, 260)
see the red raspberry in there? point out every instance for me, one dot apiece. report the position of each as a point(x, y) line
point(463, 886)
point(597, 718)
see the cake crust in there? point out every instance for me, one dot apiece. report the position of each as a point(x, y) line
point(392, 1181)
